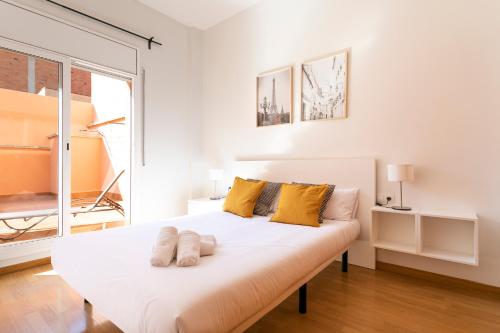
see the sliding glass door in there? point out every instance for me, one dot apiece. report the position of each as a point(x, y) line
point(65, 147)
point(101, 108)
point(32, 137)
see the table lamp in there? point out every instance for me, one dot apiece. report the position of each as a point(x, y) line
point(400, 173)
point(215, 175)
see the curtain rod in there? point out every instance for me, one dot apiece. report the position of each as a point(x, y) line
point(149, 40)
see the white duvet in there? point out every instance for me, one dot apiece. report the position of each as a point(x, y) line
point(255, 262)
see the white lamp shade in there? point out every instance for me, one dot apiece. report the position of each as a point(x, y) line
point(215, 174)
point(400, 172)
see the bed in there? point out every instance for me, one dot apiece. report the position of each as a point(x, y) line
point(256, 266)
point(256, 263)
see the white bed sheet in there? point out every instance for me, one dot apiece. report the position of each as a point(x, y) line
point(255, 262)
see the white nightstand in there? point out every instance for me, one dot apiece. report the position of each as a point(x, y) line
point(204, 205)
point(445, 236)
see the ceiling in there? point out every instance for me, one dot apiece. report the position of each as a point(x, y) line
point(201, 14)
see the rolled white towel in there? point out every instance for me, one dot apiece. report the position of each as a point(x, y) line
point(207, 245)
point(188, 248)
point(163, 250)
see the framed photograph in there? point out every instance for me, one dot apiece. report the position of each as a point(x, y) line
point(274, 97)
point(324, 87)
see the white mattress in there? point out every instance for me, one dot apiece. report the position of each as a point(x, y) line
point(256, 261)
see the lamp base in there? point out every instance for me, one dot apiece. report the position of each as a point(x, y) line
point(401, 208)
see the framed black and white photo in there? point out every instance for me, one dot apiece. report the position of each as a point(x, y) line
point(324, 87)
point(274, 97)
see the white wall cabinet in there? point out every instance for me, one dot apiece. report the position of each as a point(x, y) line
point(451, 237)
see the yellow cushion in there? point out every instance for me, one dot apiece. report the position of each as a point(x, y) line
point(300, 204)
point(243, 196)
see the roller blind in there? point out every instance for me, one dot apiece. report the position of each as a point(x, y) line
point(30, 27)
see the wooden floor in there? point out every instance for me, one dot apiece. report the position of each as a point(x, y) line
point(362, 300)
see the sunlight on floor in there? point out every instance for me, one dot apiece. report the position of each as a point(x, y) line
point(47, 273)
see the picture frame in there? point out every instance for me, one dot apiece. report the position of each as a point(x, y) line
point(324, 82)
point(275, 97)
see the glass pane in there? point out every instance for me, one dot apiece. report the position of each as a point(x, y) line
point(29, 104)
point(100, 154)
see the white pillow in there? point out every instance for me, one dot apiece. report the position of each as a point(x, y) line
point(342, 205)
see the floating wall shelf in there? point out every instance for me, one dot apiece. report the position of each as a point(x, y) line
point(451, 237)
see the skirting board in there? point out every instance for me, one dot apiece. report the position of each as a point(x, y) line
point(24, 265)
point(361, 253)
point(448, 281)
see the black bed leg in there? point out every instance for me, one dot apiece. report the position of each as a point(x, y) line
point(345, 263)
point(303, 299)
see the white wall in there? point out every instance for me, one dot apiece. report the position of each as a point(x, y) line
point(423, 88)
point(163, 186)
